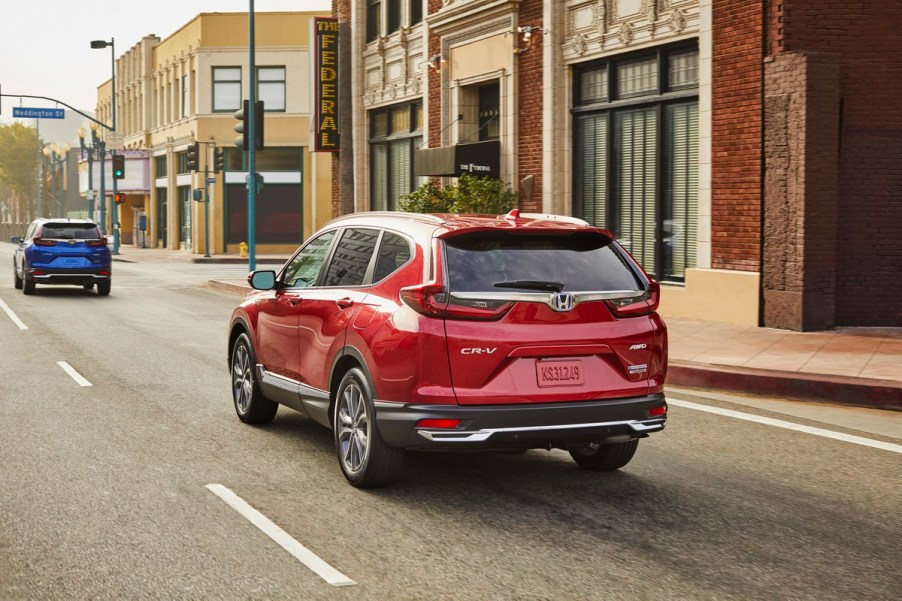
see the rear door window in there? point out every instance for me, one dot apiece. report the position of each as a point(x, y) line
point(498, 261)
point(352, 257)
point(394, 251)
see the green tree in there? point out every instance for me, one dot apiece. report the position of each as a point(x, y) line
point(470, 194)
point(18, 165)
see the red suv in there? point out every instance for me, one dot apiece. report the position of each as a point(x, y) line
point(455, 332)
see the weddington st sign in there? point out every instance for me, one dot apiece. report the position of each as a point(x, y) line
point(34, 113)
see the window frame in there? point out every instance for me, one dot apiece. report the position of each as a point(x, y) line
point(413, 136)
point(327, 258)
point(373, 20)
point(283, 81)
point(226, 81)
point(608, 108)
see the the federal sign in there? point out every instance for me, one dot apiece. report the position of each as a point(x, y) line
point(36, 113)
point(325, 57)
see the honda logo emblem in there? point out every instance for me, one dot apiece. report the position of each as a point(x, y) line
point(562, 301)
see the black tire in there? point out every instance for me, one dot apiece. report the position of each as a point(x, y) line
point(605, 457)
point(28, 285)
point(250, 404)
point(103, 288)
point(88, 285)
point(365, 459)
point(17, 281)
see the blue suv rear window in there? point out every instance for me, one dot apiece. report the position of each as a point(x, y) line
point(69, 231)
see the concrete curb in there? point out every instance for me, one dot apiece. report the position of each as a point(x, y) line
point(862, 392)
point(239, 261)
point(233, 287)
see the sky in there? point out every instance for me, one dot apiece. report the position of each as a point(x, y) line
point(45, 46)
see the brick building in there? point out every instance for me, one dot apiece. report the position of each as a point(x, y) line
point(747, 153)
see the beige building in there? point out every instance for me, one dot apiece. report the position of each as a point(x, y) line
point(186, 88)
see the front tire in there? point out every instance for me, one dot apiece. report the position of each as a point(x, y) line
point(250, 404)
point(597, 457)
point(88, 285)
point(365, 460)
point(103, 288)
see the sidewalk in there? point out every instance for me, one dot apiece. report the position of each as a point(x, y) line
point(850, 366)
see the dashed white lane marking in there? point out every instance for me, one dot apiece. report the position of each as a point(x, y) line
point(13, 316)
point(75, 375)
point(779, 423)
point(299, 551)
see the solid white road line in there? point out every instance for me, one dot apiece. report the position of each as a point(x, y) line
point(13, 316)
point(779, 423)
point(299, 551)
point(75, 375)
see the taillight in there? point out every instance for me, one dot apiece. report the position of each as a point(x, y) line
point(427, 299)
point(645, 303)
point(434, 300)
point(42, 242)
point(101, 242)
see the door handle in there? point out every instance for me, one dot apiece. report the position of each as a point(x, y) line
point(344, 303)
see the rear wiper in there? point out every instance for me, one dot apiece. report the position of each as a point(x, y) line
point(531, 285)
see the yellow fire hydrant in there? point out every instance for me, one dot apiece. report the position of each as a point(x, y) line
point(242, 249)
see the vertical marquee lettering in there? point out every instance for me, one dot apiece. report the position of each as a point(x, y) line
point(325, 50)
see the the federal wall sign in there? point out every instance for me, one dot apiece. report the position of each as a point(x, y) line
point(325, 56)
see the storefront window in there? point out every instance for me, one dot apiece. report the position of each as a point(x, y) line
point(636, 155)
point(395, 133)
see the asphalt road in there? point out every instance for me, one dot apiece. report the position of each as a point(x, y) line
point(103, 488)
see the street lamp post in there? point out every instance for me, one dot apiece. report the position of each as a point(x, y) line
point(114, 208)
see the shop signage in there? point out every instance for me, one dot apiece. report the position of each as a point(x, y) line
point(479, 158)
point(325, 56)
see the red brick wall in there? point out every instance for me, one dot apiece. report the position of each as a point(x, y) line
point(529, 126)
point(736, 162)
point(866, 38)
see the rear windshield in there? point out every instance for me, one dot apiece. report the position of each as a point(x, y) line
point(582, 261)
point(70, 231)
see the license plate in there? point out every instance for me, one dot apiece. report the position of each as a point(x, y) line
point(560, 372)
point(71, 261)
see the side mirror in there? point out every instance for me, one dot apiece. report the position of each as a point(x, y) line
point(262, 280)
point(16, 240)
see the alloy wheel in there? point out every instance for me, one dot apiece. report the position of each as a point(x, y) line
point(353, 428)
point(242, 385)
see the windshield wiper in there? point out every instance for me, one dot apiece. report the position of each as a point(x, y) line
point(531, 285)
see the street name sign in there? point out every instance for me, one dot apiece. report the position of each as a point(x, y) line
point(37, 113)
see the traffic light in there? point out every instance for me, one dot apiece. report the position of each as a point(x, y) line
point(243, 115)
point(118, 166)
point(119, 198)
point(219, 160)
point(192, 155)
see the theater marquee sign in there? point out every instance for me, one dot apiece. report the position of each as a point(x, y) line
point(325, 56)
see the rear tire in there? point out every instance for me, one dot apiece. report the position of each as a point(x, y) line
point(28, 285)
point(365, 459)
point(250, 404)
point(103, 288)
point(596, 457)
point(17, 281)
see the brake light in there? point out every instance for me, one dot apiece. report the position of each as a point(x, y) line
point(37, 272)
point(645, 303)
point(103, 272)
point(427, 299)
point(433, 300)
point(101, 242)
point(438, 423)
point(42, 242)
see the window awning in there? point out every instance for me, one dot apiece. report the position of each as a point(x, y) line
point(478, 158)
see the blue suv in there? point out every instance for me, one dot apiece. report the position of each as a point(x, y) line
point(62, 251)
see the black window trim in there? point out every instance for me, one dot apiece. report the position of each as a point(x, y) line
point(213, 83)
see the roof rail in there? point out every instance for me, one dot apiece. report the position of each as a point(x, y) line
point(421, 217)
